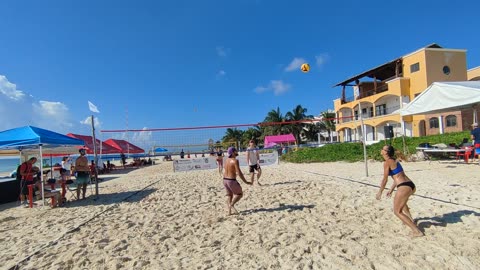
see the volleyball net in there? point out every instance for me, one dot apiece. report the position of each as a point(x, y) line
point(195, 148)
point(189, 140)
point(202, 139)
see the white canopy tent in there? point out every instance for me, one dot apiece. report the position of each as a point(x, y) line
point(445, 96)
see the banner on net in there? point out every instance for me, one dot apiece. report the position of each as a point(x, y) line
point(209, 163)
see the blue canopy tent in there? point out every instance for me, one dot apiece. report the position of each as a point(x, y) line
point(28, 138)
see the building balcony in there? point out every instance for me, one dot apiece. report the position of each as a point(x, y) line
point(380, 112)
point(368, 93)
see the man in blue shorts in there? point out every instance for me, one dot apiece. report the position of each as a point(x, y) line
point(83, 173)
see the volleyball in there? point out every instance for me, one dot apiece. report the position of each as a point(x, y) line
point(305, 67)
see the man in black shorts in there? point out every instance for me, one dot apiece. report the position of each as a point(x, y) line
point(253, 160)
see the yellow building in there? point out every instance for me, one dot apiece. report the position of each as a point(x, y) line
point(381, 92)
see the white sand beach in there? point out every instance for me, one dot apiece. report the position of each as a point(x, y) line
point(306, 216)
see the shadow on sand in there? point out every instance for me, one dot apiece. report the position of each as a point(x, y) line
point(450, 218)
point(285, 207)
point(112, 198)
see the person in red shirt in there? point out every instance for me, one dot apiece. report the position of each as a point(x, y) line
point(27, 173)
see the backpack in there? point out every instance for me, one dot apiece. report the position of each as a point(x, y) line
point(18, 175)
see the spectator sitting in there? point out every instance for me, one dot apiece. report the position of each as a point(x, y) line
point(48, 193)
point(110, 166)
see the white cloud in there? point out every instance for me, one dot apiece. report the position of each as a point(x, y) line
point(321, 59)
point(18, 108)
point(9, 89)
point(222, 51)
point(278, 87)
point(261, 89)
point(142, 139)
point(295, 64)
point(54, 115)
point(88, 121)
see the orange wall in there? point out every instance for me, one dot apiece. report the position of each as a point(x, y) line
point(456, 60)
point(418, 80)
point(474, 74)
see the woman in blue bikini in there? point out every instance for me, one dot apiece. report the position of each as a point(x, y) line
point(405, 188)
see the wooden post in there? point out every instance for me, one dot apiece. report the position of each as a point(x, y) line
point(95, 157)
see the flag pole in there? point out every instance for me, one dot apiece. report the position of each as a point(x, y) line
point(95, 157)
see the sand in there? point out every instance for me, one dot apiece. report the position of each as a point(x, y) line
point(306, 216)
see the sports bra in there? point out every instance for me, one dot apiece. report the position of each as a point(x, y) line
point(395, 171)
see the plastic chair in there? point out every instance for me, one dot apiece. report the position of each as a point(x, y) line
point(464, 154)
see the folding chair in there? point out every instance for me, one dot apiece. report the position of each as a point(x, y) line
point(72, 189)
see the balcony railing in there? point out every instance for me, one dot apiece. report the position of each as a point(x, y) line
point(386, 111)
point(369, 114)
point(366, 93)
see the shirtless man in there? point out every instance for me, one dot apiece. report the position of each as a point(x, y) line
point(83, 173)
point(233, 188)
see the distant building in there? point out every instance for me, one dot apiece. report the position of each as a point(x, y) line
point(384, 90)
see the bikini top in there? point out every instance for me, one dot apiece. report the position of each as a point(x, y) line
point(397, 170)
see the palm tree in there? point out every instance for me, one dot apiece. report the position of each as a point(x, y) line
point(233, 136)
point(328, 122)
point(273, 116)
point(310, 131)
point(254, 133)
point(297, 114)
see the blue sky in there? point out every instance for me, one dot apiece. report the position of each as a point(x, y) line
point(201, 63)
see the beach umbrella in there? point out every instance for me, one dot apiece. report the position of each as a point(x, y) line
point(161, 149)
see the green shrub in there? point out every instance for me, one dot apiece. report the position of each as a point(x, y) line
point(352, 152)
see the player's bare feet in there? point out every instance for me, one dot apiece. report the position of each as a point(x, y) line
point(416, 234)
point(232, 211)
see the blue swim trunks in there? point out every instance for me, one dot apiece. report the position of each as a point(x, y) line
point(82, 178)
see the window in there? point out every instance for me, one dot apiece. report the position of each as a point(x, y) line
point(364, 112)
point(381, 109)
point(446, 70)
point(414, 67)
point(370, 111)
point(451, 121)
point(434, 122)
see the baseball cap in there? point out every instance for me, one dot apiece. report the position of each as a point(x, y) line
point(81, 150)
point(475, 124)
point(231, 150)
